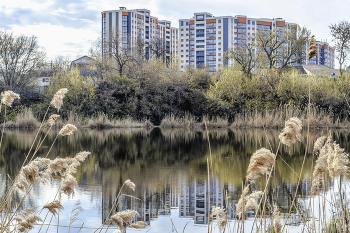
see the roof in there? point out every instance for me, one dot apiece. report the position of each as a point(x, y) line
point(83, 61)
point(320, 70)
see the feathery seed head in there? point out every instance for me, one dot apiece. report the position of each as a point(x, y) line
point(337, 161)
point(30, 172)
point(68, 129)
point(67, 184)
point(277, 220)
point(58, 164)
point(312, 51)
point(247, 202)
point(117, 220)
point(27, 221)
point(319, 143)
point(260, 163)
point(291, 131)
point(138, 224)
point(130, 184)
point(82, 155)
point(221, 217)
point(128, 215)
point(52, 119)
point(57, 99)
point(54, 206)
point(7, 97)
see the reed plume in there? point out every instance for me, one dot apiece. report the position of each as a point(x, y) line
point(247, 202)
point(260, 163)
point(337, 162)
point(57, 100)
point(36, 170)
point(52, 119)
point(312, 51)
point(68, 129)
point(319, 143)
point(26, 220)
point(68, 184)
point(130, 184)
point(7, 97)
point(138, 224)
point(128, 215)
point(291, 131)
point(221, 217)
point(53, 206)
point(117, 220)
point(332, 159)
point(277, 220)
point(81, 156)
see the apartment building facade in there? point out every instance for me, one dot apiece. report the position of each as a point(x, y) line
point(204, 39)
point(137, 26)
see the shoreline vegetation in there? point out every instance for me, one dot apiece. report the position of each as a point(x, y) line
point(270, 119)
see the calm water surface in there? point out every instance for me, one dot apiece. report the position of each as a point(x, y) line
point(169, 168)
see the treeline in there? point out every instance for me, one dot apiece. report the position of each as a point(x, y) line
point(152, 91)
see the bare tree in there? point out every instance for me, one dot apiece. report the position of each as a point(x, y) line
point(20, 62)
point(245, 56)
point(282, 47)
point(158, 48)
point(341, 36)
point(118, 48)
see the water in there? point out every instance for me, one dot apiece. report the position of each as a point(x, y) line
point(169, 168)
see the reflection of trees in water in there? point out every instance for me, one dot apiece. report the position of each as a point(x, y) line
point(158, 160)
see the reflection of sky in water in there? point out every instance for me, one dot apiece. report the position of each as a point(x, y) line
point(160, 164)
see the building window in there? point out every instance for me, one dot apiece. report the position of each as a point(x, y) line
point(219, 20)
point(248, 21)
point(200, 17)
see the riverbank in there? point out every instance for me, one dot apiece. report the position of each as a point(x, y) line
point(247, 120)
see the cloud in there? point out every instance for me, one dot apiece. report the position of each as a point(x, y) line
point(59, 40)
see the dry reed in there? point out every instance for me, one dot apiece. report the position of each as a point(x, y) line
point(222, 217)
point(54, 207)
point(7, 97)
point(138, 225)
point(130, 184)
point(312, 50)
point(57, 100)
point(68, 129)
point(291, 132)
point(247, 202)
point(260, 163)
point(26, 220)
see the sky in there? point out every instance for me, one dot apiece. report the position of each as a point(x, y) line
point(69, 28)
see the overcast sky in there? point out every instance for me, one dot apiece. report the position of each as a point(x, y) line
point(68, 28)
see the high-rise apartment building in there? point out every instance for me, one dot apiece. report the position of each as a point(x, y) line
point(200, 41)
point(204, 39)
point(137, 26)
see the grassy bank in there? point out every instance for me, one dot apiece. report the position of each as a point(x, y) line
point(276, 118)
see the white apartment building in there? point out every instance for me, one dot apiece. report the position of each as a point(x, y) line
point(138, 25)
point(204, 38)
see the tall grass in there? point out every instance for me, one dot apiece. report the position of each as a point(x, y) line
point(190, 122)
point(276, 118)
point(13, 216)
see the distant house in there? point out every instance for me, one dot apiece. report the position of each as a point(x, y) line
point(85, 64)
